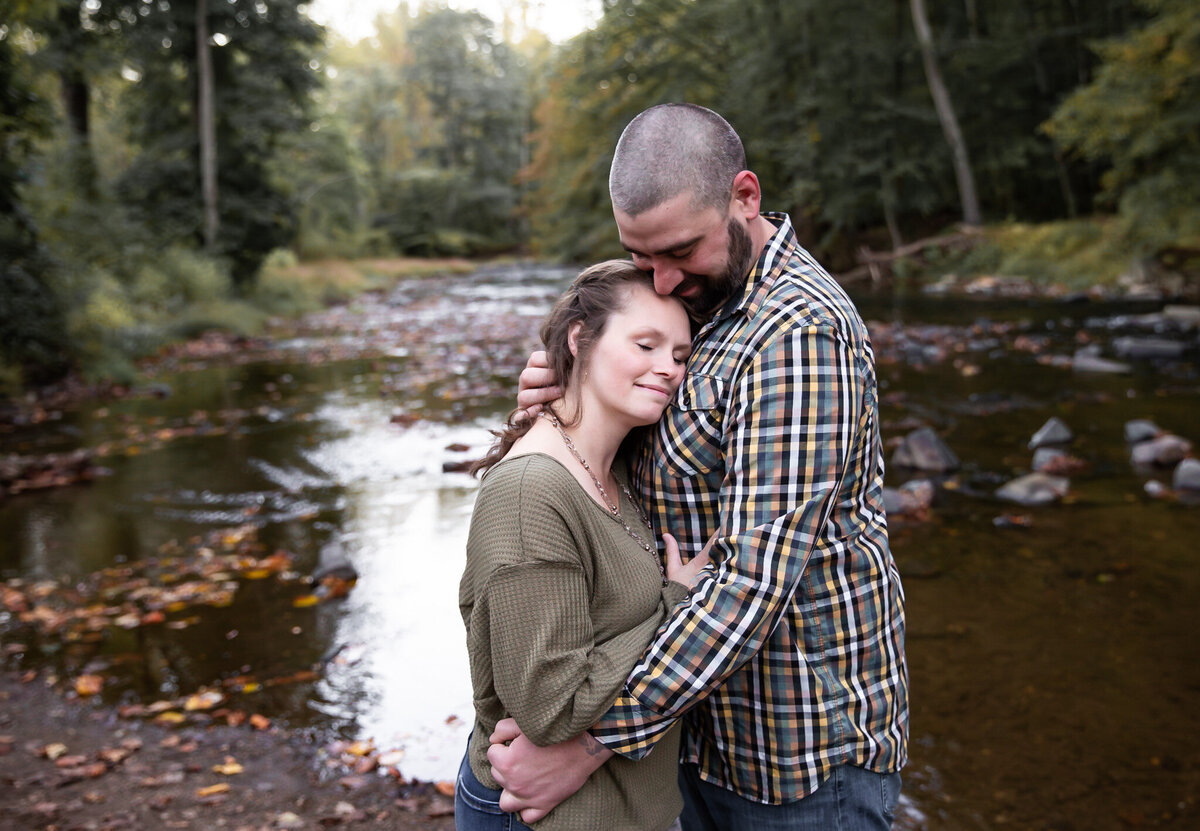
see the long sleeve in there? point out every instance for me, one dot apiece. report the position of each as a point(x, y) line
point(559, 602)
point(549, 670)
point(790, 424)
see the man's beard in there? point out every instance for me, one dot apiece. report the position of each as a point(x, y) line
point(717, 290)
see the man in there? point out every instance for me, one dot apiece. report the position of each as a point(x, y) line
point(787, 660)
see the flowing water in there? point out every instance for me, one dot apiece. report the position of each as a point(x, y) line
point(1053, 673)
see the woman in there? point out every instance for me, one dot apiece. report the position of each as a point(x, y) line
point(563, 586)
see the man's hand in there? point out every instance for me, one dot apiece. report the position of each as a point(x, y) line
point(686, 573)
point(538, 384)
point(537, 779)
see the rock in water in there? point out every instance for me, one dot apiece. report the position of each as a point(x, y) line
point(1167, 449)
point(911, 499)
point(1140, 429)
point(1053, 431)
point(1187, 476)
point(923, 449)
point(1087, 362)
point(1046, 457)
point(1149, 348)
point(1035, 489)
point(332, 562)
point(1186, 315)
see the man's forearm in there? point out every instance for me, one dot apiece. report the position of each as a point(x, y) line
point(537, 779)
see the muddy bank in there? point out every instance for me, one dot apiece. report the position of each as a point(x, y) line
point(76, 765)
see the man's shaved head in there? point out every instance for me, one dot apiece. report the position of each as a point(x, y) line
point(672, 149)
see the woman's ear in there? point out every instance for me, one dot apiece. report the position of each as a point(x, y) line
point(573, 338)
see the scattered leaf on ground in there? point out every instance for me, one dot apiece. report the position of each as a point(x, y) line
point(54, 750)
point(87, 685)
point(205, 700)
point(229, 768)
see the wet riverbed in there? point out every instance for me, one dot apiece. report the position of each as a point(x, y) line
point(1054, 680)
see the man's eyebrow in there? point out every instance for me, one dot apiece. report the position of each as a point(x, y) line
point(670, 248)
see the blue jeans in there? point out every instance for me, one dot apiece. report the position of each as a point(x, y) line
point(477, 808)
point(851, 799)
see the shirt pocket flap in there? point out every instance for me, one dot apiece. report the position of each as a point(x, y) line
point(700, 392)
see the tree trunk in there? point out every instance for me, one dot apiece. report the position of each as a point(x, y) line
point(205, 118)
point(945, 111)
point(1043, 82)
point(886, 198)
point(75, 93)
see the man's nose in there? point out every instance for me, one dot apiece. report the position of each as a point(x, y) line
point(666, 278)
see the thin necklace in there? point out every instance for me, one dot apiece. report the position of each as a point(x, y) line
point(613, 508)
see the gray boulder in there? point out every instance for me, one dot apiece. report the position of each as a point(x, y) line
point(1035, 489)
point(910, 498)
point(1167, 449)
point(1140, 429)
point(1185, 315)
point(923, 449)
point(1053, 431)
point(1148, 348)
point(1045, 457)
point(1088, 361)
point(1187, 476)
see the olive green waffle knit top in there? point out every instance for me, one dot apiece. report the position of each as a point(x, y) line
point(559, 603)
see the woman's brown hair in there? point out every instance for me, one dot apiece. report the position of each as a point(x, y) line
point(590, 301)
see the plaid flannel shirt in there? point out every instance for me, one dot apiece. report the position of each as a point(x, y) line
point(789, 659)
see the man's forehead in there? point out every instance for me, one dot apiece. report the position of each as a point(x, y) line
point(665, 227)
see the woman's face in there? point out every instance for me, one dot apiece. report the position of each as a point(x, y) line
point(637, 363)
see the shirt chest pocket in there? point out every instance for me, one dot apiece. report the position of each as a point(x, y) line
point(693, 426)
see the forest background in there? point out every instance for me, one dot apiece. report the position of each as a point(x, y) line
point(167, 166)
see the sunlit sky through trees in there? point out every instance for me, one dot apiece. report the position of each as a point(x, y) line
point(557, 19)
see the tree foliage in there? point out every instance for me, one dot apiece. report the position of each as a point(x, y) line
point(437, 135)
point(834, 109)
point(30, 315)
point(440, 107)
point(265, 64)
point(1141, 118)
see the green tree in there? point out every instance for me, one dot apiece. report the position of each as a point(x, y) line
point(265, 60)
point(641, 53)
point(440, 107)
point(30, 315)
point(1140, 116)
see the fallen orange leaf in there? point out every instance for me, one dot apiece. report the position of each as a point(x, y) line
point(230, 768)
point(203, 701)
point(306, 600)
point(445, 788)
point(87, 685)
point(259, 722)
point(212, 790)
point(53, 751)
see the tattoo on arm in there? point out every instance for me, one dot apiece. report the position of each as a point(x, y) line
point(590, 745)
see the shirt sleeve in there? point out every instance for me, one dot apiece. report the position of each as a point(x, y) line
point(789, 430)
point(548, 670)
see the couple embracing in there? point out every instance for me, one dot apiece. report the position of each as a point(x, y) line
point(679, 597)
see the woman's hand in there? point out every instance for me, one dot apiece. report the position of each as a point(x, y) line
point(686, 573)
point(537, 385)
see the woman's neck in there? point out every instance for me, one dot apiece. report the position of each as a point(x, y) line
point(597, 439)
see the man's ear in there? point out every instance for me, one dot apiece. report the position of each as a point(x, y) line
point(747, 195)
point(573, 338)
